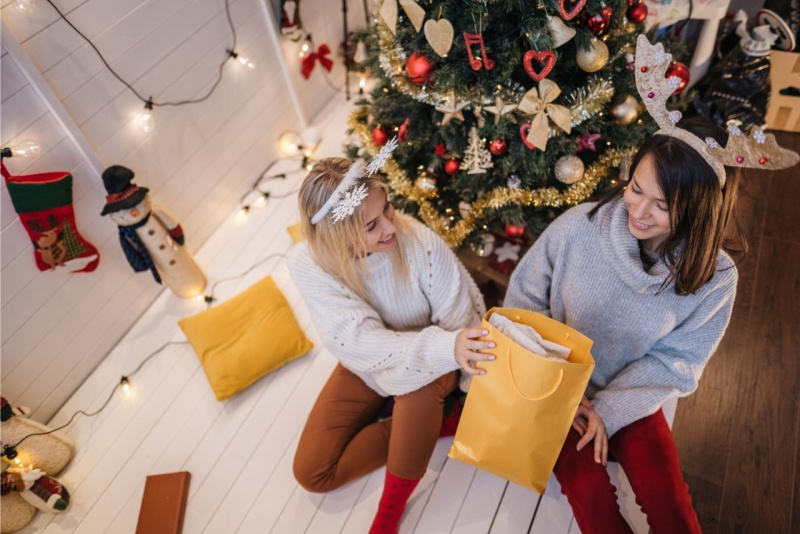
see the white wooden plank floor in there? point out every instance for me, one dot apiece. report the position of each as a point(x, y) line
point(239, 452)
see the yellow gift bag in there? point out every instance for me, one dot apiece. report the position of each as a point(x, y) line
point(517, 415)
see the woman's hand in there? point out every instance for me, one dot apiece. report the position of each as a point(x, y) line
point(589, 425)
point(467, 345)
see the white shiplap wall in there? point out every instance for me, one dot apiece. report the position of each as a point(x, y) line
point(197, 162)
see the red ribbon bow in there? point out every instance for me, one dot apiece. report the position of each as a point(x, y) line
point(310, 60)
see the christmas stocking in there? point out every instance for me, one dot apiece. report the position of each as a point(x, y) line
point(44, 205)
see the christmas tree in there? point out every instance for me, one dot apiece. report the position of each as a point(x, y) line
point(507, 111)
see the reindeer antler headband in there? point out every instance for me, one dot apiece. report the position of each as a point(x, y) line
point(348, 196)
point(759, 151)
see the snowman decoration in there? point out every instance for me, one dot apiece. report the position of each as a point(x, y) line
point(151, 239)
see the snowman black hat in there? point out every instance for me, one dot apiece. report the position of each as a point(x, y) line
point(122, 193)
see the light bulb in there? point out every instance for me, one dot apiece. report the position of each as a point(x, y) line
point(362, 83)
point(27, 149)
point(199, 298)
point(17, 461)
point(246, 62)
point(289, 143)
point(126, 385)
point(146, 122)
point(243, 212)
point(25, 6)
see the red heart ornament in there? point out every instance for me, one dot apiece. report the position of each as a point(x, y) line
point(547, 58)
point(576, 8)
point(523, 133)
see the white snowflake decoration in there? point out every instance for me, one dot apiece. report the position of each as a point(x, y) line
point(661, 57)
point(673, 82)
point(380, 158)
point(760, 137)
point(477, 157)
point(734, 130)
point(351, 200)
point(712, 142)
point(675, 116)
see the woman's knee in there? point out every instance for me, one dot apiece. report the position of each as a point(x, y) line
point(313, 478)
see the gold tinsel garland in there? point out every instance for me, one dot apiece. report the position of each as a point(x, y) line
point(455, 233)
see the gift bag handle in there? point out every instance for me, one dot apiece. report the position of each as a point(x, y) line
point(543, 396)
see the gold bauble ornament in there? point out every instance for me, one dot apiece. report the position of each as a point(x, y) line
point(595, 58)
point(569, 169)
point(627, 111)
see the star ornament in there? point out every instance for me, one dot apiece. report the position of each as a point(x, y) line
point(499, 109)
point(440, 149)
point(586, 142)
point(508, 251)
point(452, 109)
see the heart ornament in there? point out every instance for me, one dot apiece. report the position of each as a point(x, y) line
point(523, 133)
point(574, 10)
point(547, 58)
point(414, 13)
point(439, 34)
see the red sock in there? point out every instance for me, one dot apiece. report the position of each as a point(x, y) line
point(396, 492)
point(450, 421)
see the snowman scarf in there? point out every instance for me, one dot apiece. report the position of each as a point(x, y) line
point(135, 250)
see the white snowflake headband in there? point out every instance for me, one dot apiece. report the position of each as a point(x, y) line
point(759, 151)
point(348, 196)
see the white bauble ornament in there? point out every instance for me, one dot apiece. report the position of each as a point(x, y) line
point(569, 169)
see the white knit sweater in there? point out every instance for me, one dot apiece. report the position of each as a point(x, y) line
point(405, 339)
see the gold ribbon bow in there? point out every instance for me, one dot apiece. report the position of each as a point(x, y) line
point(539, 104)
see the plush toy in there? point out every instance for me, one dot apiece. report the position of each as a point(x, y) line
point(28, 484)
point(151, 239)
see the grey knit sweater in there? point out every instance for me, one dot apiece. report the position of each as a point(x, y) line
point(648, 346)
point(405, 338)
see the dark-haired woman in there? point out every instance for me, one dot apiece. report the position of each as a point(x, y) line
point(644, 275)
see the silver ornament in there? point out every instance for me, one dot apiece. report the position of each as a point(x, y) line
point(569, 169)
point(626, 111)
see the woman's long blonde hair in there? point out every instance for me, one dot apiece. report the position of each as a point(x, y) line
point(340, 248)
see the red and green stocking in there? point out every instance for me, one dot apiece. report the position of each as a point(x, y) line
point(44, 205)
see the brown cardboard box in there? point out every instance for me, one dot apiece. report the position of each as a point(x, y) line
point(784, 111)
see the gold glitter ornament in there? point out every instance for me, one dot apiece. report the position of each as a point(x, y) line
point(595, 58)
point(569, 169)
point(627, 111)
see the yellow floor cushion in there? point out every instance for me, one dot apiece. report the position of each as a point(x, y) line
point(245, 338)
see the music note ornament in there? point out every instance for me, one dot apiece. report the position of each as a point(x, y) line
point(482, 61)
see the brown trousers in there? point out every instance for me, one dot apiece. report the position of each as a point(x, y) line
point(343, 440)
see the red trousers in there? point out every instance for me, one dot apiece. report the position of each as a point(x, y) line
point(646, 451)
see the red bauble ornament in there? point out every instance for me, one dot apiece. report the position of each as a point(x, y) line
point(380, 136)
point(514, 230)
point(402, 132)
point(418, 68)
point(637, 13)
point(498, 147)
point(451, 166)
point(547, 58)
point(599, 22)
point(676, 68)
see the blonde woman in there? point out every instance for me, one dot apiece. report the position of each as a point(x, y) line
point(393, 304)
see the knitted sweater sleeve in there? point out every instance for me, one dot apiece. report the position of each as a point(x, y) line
point(672, 367)
point(398, 362)
point(529, 287)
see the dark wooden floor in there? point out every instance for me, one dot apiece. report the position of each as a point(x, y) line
point(738, 436)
